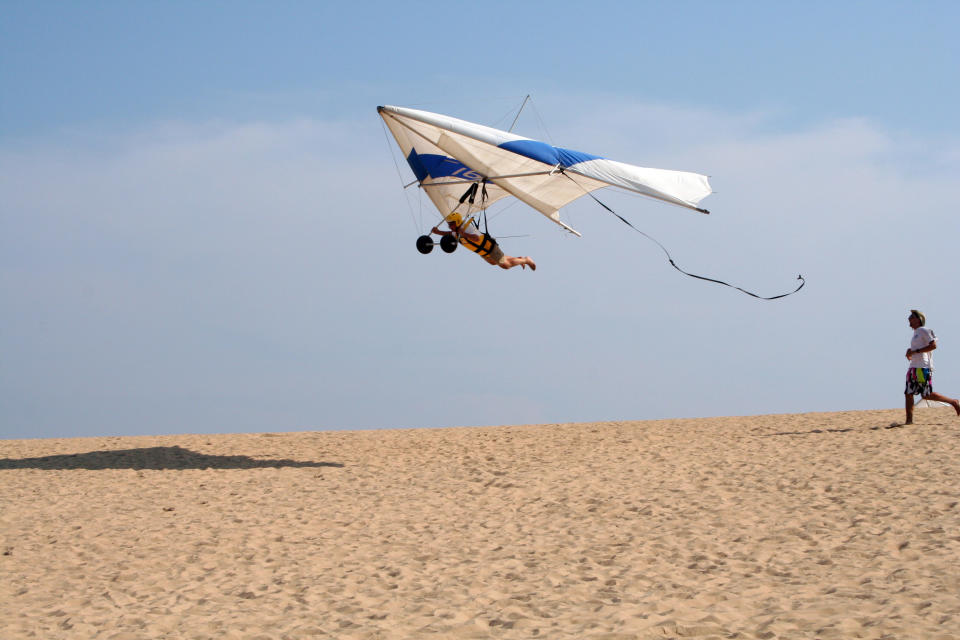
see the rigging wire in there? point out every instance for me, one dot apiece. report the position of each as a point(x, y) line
point(674, 264)
point(543, 125)
point(519, 111)
point(396, 164)
point(501, 210)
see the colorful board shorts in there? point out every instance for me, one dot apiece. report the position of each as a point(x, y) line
point(919, 382)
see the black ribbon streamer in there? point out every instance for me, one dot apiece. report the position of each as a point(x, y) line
point(693, 275)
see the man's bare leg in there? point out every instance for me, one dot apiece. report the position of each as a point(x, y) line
point(909, 408)
point(508, 262)
point(941, 398)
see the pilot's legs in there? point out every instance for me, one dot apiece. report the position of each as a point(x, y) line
point(508, 262)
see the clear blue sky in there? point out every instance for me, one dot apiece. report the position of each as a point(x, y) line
point(202, 226)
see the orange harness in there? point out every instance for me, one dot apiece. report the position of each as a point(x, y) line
point(484, 248)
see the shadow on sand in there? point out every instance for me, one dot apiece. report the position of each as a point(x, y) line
point(895, 425)
point(152, 458)
point(805, 433)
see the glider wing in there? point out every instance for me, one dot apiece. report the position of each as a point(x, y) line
point(447, 155)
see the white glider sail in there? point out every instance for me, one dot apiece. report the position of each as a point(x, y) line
point(448, 155)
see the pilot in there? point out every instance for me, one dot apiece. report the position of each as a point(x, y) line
point(484, 245)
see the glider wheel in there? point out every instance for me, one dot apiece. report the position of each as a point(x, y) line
point(448, 244)
point(424, 244)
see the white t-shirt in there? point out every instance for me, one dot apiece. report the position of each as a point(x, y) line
point(921, 338)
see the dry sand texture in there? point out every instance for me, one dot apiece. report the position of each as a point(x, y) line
point(791, 526)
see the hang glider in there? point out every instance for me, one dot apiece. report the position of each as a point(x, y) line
point(465, 167)
point(448, 155)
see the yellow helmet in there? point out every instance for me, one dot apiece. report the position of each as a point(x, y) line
point(455, 219)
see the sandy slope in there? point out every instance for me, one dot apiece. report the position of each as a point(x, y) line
point(788, 526)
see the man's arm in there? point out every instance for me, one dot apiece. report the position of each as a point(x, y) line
point(476, 238)
point(929, 347)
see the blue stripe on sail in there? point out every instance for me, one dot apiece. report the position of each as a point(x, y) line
point(432, 165)
point(547, 154)
point(539, 151)
point(416, 164)
point(569, 157)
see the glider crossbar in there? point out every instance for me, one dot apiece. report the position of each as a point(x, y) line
point(486, 179)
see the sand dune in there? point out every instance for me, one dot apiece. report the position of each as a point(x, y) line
point(828, 525)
